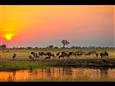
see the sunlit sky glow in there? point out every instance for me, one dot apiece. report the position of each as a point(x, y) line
point(43, 25)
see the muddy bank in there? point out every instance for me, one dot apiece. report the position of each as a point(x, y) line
point(10, 69)
point(82, 63)
point(79, 62)
point(28, 64)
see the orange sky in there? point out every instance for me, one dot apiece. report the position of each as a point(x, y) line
point(41, 25)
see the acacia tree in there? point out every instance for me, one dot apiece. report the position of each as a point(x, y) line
point(65, 42)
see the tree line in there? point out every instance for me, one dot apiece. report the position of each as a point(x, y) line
point(63, 42)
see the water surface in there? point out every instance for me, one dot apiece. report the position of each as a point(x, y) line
point(58, 74)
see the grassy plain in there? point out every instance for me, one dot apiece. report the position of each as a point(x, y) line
point(22, 61)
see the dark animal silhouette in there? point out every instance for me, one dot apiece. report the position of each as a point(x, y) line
point(14, 56)
point(58, 54)
point(30, 57)
point(36, 55)
point(49, 55)
point(62, 55)
point(42, 54)
point(104, 55)
point(71, 54)
point(33, 53)
point(97, 54)
point(79, 53)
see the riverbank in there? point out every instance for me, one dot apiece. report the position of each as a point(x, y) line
point(68, 80)
point(27, 64)
point(10, 65)
point(86, 63)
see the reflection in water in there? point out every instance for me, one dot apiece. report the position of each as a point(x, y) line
point(104, 72)
point(58, 74)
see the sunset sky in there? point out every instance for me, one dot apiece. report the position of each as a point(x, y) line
point(43, 25)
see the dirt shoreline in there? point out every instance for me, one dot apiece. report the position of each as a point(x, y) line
point(90, 63)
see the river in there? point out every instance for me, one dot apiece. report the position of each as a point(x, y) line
point(58, 74)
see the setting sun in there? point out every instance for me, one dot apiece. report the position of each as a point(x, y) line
point(8, 36)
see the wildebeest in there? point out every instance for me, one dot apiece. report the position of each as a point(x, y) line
point(36, 55)
point(62, 54)
point(46, 54)
point(33, 53)
point(104, 55)
point(71, 54)
point(30, 57)
point(58, 54)
point(42, 54)
point(68, 54)
point(79, 53)
point(97, 54)
point(50, 54)
point(14, 56)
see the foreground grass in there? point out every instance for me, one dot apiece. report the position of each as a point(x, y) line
point(70, 80)
point(15, 65)
point(26, 64)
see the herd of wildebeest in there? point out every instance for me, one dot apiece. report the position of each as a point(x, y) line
point(62, 55)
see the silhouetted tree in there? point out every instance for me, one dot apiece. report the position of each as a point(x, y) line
point(65, 42)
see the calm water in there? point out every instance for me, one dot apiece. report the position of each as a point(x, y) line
point(62, 74)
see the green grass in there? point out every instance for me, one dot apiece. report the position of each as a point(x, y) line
point(24, 53)
point(15, 65)
point(70, 80)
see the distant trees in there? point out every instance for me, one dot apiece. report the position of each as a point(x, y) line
point(65, 42)
point(50, 46)
point(29, 47)
point(74, 47)
point(56, 47)
point(36, 47)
